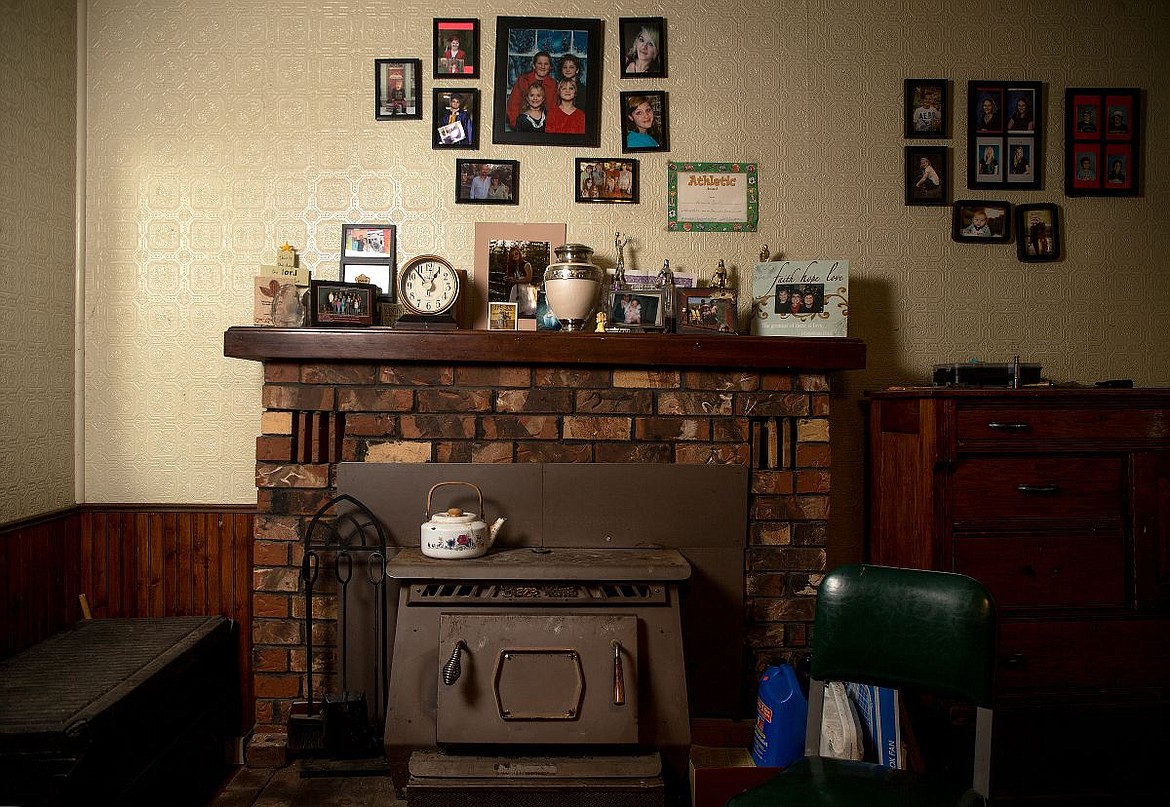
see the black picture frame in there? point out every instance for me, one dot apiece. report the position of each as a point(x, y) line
point(927, 183)
point(499, 174)
point(1102, 128)
point(635, 36)
point(1007, 119)
point(359, 308)
point(982, 221)
point(606, 180)
point(523, 44)
point(927, 112)
point(657, 138)
point(464, 62)
point(463, 131)
point(397, 89)
point(1038, 232)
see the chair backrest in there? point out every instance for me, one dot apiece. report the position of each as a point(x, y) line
point(906, 629)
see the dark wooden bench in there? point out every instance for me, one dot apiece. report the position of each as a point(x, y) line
point(120, 711)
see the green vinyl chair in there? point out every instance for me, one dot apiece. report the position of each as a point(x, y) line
point(909, 629)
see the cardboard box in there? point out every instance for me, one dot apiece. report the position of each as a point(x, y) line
point(877, 708)
point(717, 774)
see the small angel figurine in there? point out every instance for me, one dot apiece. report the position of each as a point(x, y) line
point(601, 320)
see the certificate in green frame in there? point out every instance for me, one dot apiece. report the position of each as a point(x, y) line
point(712, 197)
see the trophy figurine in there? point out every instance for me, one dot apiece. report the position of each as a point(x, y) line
point(719, 279)
point(619, 268)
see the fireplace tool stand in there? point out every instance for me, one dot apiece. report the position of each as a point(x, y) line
point(344, 558)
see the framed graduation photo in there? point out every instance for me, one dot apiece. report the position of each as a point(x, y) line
point(456, 118)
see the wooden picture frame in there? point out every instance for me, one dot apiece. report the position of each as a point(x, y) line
point(1005, 119)
point(1038, 232)
point(645, 121)
point(455, 114)
point(1102, 127)
point(544, 51)
point(487, 182)
point(397, 89)
point(642, 47)
point(463, 36)
point(982, 221)
point(927, 175)
point(705, 310)
point(927, 108)
point(333, 303)
point(606, 180)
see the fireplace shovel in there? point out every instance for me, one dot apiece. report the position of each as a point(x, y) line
point(306, 726)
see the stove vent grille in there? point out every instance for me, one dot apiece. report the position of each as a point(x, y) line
point(607, 593)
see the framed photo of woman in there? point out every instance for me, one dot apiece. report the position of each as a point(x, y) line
point(548, 81)
point(643, 47)
point(645, 121)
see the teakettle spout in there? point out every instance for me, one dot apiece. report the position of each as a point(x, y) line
point(494, 529)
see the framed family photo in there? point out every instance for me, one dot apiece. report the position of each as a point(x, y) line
point(456, 48)
point(337, 304)
point(610, 180)
point(1037, 232)
point(927, 175)
point(636, 309)
point(487, 182)
point(982, 221)
point(397, 86)
point(456, 118)
point(927, 113)
point(548, 81)
point(705, 310)
point(645, 122)
point(643, 47)
point(1005, 129)
point(1102, 155)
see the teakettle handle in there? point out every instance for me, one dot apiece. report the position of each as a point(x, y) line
point(435, 487)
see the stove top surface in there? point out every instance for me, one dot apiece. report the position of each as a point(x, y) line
point(545, 564)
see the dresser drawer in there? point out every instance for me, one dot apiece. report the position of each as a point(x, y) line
point(1097, 656)
point(1013, 424)
point(1006, 490)
point(1055, 570)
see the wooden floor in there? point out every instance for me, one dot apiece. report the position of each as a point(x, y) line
point(352, 786)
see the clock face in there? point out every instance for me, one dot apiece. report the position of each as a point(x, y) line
point(428, 285)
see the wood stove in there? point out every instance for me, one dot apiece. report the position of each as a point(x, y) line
point(575, 652)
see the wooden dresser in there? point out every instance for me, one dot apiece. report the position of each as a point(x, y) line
point(1058, 500)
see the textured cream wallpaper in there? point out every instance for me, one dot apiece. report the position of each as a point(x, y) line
point(218, 130)
point(38, 46)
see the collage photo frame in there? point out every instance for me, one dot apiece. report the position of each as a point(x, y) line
point(1005, 130)
point(1102, 154)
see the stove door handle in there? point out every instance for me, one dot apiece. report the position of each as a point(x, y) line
point(453, 669)
point(619, 678)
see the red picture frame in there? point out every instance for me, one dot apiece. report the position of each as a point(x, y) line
point(1102, 141)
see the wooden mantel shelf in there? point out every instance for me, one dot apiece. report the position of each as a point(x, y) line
point(820, 354)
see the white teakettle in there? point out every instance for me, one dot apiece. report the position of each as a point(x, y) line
point(456, 534)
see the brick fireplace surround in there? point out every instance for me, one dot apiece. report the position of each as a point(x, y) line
point(376, 395)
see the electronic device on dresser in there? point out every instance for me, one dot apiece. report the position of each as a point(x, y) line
point(1058, 501)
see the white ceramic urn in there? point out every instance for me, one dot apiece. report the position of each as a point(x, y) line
point(572, 285)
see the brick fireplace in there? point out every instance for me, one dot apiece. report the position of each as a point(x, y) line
point(379, 396)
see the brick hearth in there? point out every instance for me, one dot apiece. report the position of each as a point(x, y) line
point(498, 398)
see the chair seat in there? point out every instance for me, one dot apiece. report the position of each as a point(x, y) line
point(827, 782)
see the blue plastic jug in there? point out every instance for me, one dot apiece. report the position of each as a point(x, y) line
point(781, 714)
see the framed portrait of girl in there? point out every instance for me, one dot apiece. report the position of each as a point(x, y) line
point(644, 121)
point(643, 47)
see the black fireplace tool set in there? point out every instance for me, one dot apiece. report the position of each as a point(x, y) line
point(343, 536)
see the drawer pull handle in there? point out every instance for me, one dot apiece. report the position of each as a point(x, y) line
point(1041, 489)
point(619, 678)
point(453, 669)
point(1000, 426)
point(1016, 661)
